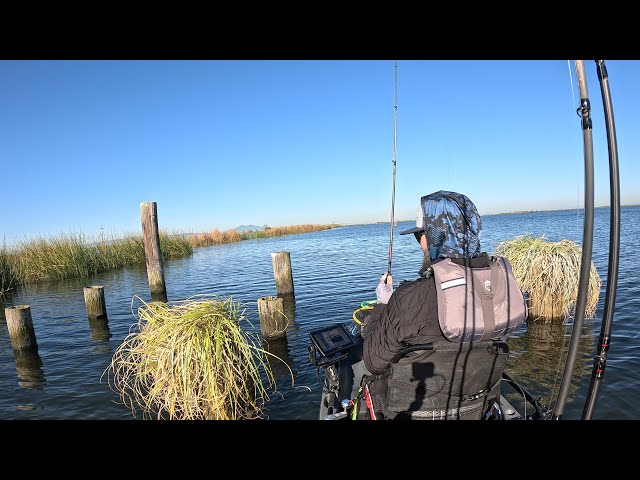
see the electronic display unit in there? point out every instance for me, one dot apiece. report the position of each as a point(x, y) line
point(333, 339)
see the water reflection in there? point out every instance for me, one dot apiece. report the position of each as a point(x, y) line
point(279, 359)
point(99, 329)
point(29, 368)
point(538, 359)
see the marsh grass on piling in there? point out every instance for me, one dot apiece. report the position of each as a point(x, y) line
point(550, 273)
point(58, 257)
point(192, 360)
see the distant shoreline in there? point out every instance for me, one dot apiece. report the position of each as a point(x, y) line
point(512, 213)
point(556, 210)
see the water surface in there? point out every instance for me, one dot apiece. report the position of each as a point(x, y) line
point(333, 271)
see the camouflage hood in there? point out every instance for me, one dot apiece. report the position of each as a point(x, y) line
point(452, 224)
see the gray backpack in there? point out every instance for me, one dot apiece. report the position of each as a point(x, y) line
point(477, 304)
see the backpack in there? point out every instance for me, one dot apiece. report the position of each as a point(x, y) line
point(480, 303)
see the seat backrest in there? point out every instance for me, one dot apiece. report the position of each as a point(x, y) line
point(441, 381)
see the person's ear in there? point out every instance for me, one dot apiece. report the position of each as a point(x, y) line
point(423, 242)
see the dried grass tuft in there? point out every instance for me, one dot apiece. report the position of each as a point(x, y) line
point(192, 360)
point(550, 273)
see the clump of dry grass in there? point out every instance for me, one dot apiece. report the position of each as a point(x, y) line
point(217, 237)
point(550, 273)
point(192, 360)
point(293, 229)
point(214, 237)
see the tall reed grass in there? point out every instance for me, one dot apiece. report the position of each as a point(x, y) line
point(52, 258)
point(57, 257)
point(550, 273)
point(8, 276)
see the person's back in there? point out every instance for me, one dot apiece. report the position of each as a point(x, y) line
point(447, 226)
point(410, 317)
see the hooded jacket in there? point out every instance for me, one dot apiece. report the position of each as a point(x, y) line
point(409, 318)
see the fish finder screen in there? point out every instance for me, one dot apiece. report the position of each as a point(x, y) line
point(331, 340)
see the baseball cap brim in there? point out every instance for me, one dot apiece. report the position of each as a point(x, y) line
point(412, 230)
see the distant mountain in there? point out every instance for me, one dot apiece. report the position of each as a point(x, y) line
point(246, 228)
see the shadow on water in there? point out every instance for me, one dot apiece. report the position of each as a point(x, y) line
point(538, 359)
point(29, 368)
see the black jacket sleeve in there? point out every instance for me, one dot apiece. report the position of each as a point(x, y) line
point(381, 340)
point(410, 317)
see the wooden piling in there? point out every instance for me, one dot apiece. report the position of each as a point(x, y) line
point(289, 303)
point(282, 273)
point(20, 327)
point(94, 301)
point(273, 321)
point(151, 240)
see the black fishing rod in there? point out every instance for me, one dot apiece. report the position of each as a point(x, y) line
point(600, 359)
point(393, 188)
point(584, 111)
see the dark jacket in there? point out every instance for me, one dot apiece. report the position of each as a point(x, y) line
point(409, 318)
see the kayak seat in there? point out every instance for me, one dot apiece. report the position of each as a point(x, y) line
point(439, 381)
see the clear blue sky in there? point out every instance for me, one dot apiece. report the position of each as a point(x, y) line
point(221, 143)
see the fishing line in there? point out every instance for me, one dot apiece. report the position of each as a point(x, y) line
point(575, 108)
point(568, 321)
point(393, 188)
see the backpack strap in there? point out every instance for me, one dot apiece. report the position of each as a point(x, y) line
point(487, 300)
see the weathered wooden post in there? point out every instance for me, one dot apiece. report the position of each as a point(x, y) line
point(273, 321)
point(94, 301)
point(289, 303)
point(20, 326)
point(282, 273)
point(151, 240)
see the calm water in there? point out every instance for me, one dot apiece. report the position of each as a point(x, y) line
point(333, 272)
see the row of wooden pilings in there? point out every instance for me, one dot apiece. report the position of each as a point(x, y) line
point(20, 323)
point(276, 312)
point(23, 337)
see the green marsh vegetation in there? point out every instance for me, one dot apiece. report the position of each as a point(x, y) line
point(550, 273)
point(57, 257)
point(45, 259)
point(8, 276)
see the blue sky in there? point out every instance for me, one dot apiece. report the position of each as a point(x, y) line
point(221, 143)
